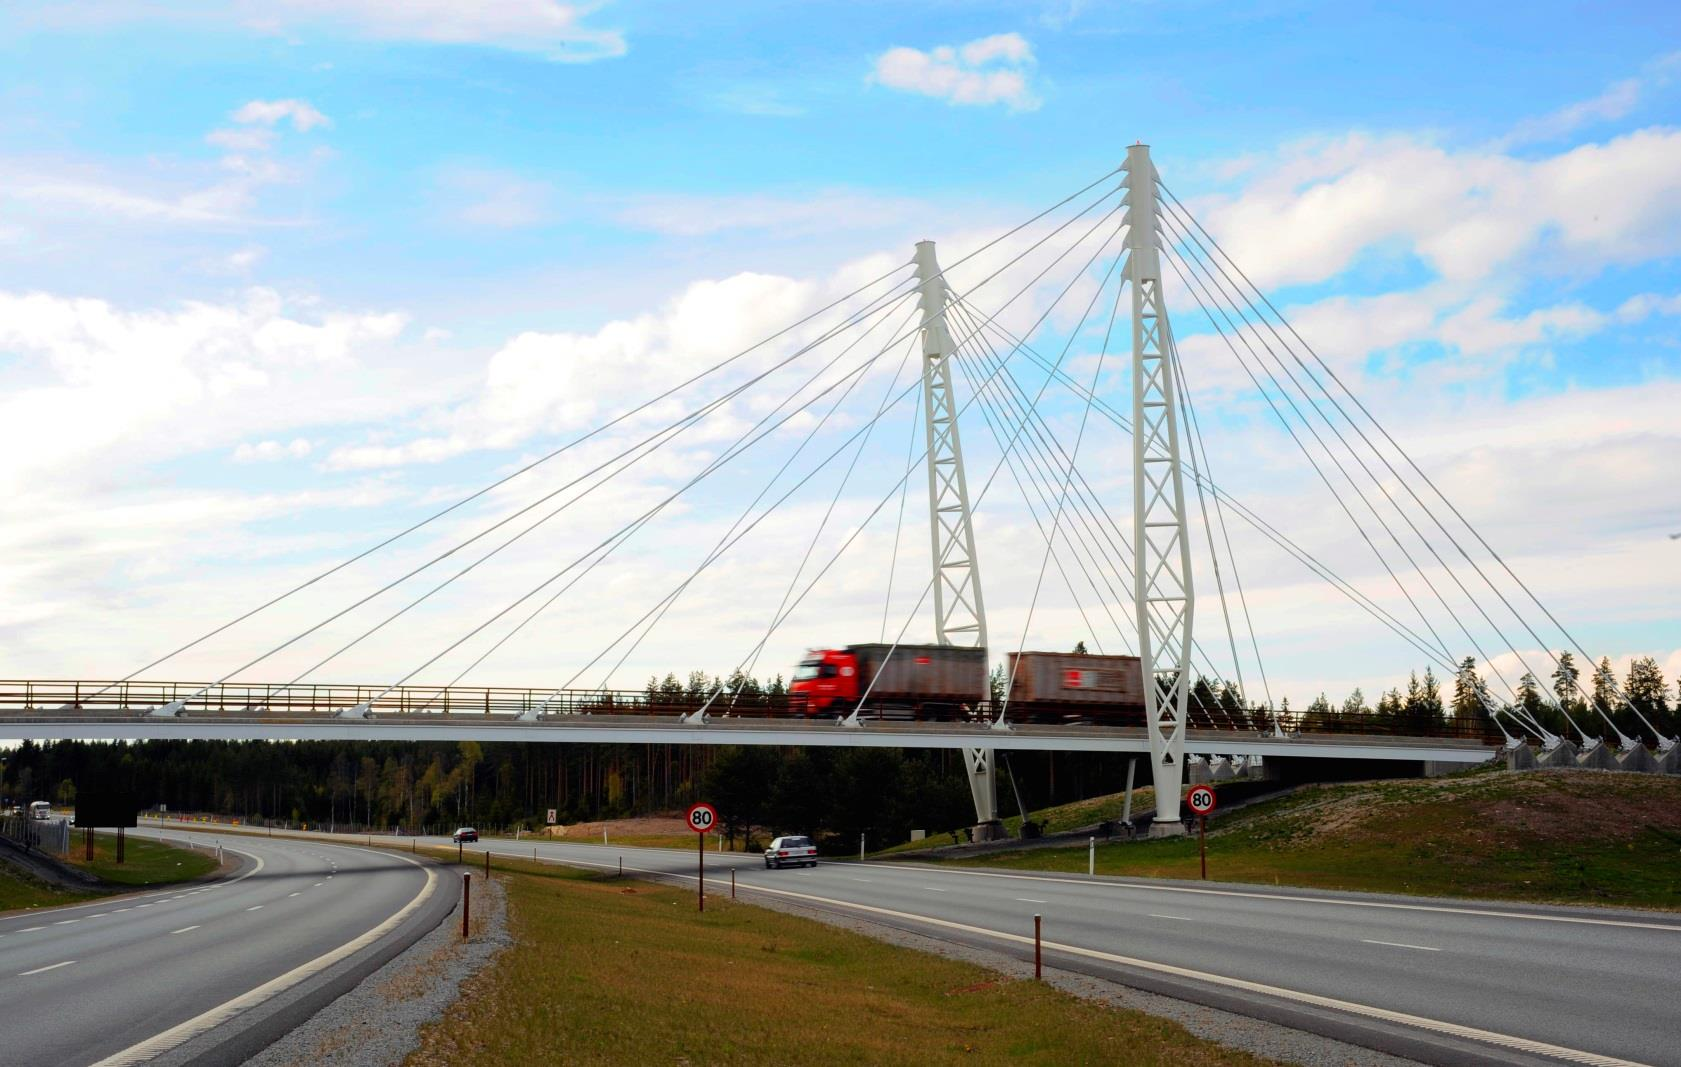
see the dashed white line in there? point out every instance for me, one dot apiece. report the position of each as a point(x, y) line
point(41, 970)
point(1398, 944)
point(254, 907)
point(1181, 918)
point(314, 886)
point(1032, 900)
point(31, 929)
point(290, 895)
point(931, 889)
point(863, 879)
point(66, 922)
point(183, 929)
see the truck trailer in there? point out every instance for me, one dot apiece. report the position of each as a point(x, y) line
point(946, 683)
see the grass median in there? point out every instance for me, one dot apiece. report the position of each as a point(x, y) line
point(145, 863)
point(612, 971)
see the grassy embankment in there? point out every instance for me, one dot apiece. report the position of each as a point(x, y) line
point(604, 970)
point(1580, 837)
point(145, 863)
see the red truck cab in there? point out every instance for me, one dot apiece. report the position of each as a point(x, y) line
point(825, 677)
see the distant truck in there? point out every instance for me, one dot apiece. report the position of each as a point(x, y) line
point(946, 683)
point(40, 809)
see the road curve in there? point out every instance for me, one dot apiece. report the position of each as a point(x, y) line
point(1441, 981)
point(208, 971)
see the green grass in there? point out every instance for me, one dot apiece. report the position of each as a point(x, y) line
point(1053, 820)
point(18, 891)
point(1577, 837)
point(146, 863)
point(608, 971)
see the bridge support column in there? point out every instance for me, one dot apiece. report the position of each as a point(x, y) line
point(959, 614)
point(1162, 572)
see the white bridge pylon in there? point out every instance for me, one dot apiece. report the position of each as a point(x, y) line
point(959, 609)
point(1162, 572)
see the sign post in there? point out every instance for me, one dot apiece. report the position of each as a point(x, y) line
point(1201, 801)
point(701, 819)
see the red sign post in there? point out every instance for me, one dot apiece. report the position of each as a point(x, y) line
point(1201, 801)
point(701, 818)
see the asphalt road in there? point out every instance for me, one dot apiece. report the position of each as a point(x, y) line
point(1441, 981)
point(185, 973)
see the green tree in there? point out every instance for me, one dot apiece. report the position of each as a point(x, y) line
point(1467, 704)
point(1565, 687)
point(1355, 704)
point(1647, 691)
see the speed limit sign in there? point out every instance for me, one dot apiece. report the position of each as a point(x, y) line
point(702, 818)
point(1200, 800)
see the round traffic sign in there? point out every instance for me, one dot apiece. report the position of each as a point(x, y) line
point(702, 818)
point(1200, 800)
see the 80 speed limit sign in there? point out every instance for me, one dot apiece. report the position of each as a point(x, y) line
point(702, 818)
point(1200, 800)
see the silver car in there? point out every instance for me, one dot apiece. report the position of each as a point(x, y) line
point(791, 852)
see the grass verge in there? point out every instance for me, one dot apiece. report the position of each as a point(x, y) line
point(1575, 837)
point(145, 863)
point(609, 971)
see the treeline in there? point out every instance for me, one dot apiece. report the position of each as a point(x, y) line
point(1600, 707)
point(837, 793)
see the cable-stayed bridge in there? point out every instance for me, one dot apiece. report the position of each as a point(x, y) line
point(1018, 368)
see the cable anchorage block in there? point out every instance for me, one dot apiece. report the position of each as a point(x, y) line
point(169, 710)
point(694, 718)
point(360, 711)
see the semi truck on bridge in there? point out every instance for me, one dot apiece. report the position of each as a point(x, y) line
point(948, 683)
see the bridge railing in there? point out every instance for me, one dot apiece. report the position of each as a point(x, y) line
point(124, 700)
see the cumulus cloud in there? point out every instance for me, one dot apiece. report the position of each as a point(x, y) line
point(304, 117)
point(264, 451)
point(990, 70)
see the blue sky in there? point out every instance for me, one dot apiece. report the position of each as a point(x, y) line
point(297, 271)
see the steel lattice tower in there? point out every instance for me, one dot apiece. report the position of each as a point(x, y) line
point(1162, 572)
point(959, 611)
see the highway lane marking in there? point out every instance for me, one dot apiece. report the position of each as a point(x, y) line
point(1032, 900)
point(255, 907)
point(179, 1034)
point(863, 879)
point(317, 884)
point(43, 970)
point(1398, 944)
point(289, 896)
point(1181, 918)
point(1421, 1022)
point(1392, 905)
point(31, 929)
point(66, 922)
point(184, 929)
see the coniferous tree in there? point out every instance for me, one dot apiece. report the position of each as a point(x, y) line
point(1565, 684)
point(1355, 704)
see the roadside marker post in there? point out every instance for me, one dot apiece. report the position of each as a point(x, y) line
point(701, 818)
point(1091, 856)
point(732, 883)
point(487, 864)
point(1201, 801)
point(466, 901)
point(1038, 949)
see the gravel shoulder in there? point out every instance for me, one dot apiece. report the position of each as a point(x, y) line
point(378, 1023)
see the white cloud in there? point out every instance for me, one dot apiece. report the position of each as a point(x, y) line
point(556, 31)
point(819, 212)
point(303, 115)
point(990, 70)
point(495, 198)
point(1616, 101)
point(264, 451)
point(1466, 213)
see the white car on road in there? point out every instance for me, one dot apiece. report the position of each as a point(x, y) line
point(791, 852)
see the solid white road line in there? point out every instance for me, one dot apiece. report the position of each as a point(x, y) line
point(1398, 944)
point(184, 929)
point(1369, 1011)
point(43, 970)
point(1444, 909)
point(177, 1035)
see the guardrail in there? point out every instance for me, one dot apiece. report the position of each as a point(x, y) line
point(124, 700)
